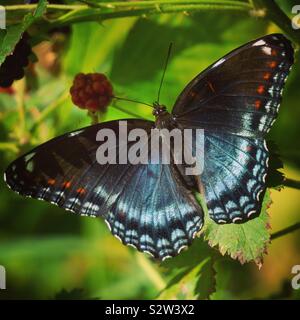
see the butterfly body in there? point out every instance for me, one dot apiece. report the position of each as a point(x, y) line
point(152, 206)
point(163, 119)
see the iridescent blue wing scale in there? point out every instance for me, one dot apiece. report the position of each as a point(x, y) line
point(236, 101)
point(146, 206)
point(234, 177)
point(156, 221)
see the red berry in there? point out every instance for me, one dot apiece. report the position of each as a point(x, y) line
point(91, 91)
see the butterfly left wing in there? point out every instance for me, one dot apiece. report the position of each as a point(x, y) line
point(146, 206)
point(236, 101)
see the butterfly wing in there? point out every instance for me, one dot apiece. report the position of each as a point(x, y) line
point(236, 101)
point(145, 205)
point(234, 177)
point(241, 92)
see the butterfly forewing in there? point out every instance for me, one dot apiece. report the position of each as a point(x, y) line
point(241, 92)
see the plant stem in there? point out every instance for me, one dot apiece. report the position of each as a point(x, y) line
point(96, 15)
point(30, 7)
point(274, 13)
point(117, 9)
point(285, 231)
point(131, 4)
point(114, 4)
point(150, 271)
point(20, 99)
point(100, 11)
point(45, 113)
point(94, 117)
point(291, 183)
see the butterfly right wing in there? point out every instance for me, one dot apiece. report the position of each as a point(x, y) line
point(236, 101)
point(145, 205)
point(241, 92)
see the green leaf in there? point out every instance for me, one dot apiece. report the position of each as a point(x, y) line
point(74, 294)
point(245, 242)
point(11, 36)
point(193, 273)
point(232, 280)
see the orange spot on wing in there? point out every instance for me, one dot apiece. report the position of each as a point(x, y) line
point(272, 64)
point(261, 89)
point(211, 86)
point(51, 181)
point(267, 76)
point(257, 104)
point(81, 190)
point(274, 52)
point(67, 184)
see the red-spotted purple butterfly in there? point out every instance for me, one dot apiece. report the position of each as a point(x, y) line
point(152, 207)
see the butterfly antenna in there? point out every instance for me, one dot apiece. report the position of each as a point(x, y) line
point(164, 72)
point(135, 101)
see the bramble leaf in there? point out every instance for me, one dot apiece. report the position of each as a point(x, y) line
point(245, 242)
point(193, 273)
point(11, 36)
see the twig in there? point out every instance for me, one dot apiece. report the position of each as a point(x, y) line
point(285, 231)
point(30, 7)
point(150, 271)
point(20, 97)
point(45, 113)
point(275, 14)
point(118, 9)
point(291, 183)
point(99, 15)
point(94, 117)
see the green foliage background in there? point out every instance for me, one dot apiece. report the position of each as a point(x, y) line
point(50, 254)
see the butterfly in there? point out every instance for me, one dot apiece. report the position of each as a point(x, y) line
point(152, 207)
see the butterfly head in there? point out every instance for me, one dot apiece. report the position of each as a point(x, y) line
point(163, 119)
point(159, 109)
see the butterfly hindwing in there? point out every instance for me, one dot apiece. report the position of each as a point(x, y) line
point(145, 205)
point(158, 215)
point(234, 177)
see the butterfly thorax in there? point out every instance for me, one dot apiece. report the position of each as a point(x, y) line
point(163, 118)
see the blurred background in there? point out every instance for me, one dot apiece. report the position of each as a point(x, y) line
point(49, 253)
